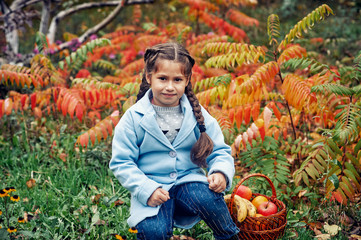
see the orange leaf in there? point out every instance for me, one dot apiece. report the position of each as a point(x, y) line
point(340, 196)
point(84, 139)
point(255, 110)
point(276, 134)
point(275, 110)
point(104, 131)
point(37, 112)
point(109, 127)
point(92, 136)
point(64, 104)
point(72, 106)
point(231, 115)
point(239, 116)
point(98, 133)
point(247, 114)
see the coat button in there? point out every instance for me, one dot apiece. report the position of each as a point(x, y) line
point(172, 154)
point(173, 175)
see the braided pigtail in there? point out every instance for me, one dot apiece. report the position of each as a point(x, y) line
point(204, 146)
point(144, 86)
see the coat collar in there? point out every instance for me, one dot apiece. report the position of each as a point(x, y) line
point(149, 122)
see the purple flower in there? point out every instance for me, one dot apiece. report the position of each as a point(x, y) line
point(141, 53)
point(36, 51)
point(58, 42)
point(93, 36)
point(210, 33)
point(112, 56)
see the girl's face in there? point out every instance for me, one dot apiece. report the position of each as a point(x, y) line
point(168, 83)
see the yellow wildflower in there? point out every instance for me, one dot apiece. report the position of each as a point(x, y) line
point(12, 230)
point(15, 198)
point(3, 193)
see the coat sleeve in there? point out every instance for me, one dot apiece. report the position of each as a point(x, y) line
point(220, 160)
point(125, 152)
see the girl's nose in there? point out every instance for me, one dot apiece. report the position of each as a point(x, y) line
point(169, 86)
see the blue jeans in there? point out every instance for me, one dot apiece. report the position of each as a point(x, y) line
point(195, 198)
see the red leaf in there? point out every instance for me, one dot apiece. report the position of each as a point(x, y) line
point(23, 100)
point(55, 94)
point(79, 112)
point(1, 108)
point(33, 100)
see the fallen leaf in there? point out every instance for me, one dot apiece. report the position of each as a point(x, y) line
point(30, 183)
point(96, 198)
point(331, 229)
point(100, 222)
point(323, 236)
point(118, 203)
point(94, 208)
point(354, 237)
point(63, 156)
point(301, 193)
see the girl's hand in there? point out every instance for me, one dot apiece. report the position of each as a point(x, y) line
point(217, 182)
point(158, 197)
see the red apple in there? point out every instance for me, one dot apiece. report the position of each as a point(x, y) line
point(267, 208)
point(244, 192)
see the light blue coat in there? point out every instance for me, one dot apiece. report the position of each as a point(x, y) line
point(143, 159)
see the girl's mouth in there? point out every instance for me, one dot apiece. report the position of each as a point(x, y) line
point(168, 95)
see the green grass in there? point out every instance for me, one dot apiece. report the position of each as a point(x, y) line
point(75, 198)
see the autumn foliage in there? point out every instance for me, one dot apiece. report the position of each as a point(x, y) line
point(258, 94)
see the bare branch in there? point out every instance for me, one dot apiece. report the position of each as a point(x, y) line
point(102, 24)
point(19, 4)
point(65, 13)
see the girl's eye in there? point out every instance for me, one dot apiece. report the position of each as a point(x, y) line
point(178, 79)
point(162, 78)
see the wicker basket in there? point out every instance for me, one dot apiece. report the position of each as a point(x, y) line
point(267, 227)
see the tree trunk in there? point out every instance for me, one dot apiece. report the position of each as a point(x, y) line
point(45, 16)
point(11, 36)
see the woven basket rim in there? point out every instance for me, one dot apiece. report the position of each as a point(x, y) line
point(265, 231)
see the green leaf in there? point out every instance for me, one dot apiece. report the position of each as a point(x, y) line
point(61, 65)
point(357, 147)
point(334, 179)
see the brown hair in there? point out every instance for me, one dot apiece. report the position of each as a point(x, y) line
point(176, 52)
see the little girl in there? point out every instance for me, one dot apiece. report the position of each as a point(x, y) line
point(160, 146)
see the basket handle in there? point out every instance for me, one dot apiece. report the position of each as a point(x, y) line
point(274, 194)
